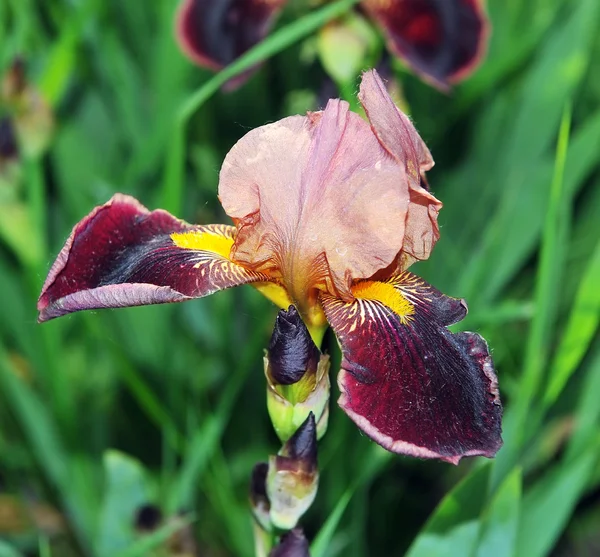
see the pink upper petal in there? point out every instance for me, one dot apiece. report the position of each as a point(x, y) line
point(317, 200)
point(401, 140)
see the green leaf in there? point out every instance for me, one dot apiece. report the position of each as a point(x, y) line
point(548, 505)
point(458, 540)
point(322, 542)
point(323, 539)
point(40, 430)
point(532, 118)
point(501, 519)
point(587, 414)
point(538, 346)
point(520, 239)
point(203, 444)
point(581, 327)
point(454, 525)
point(126, 490)
point(7, 551)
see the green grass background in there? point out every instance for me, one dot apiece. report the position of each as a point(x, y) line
point(102, 412)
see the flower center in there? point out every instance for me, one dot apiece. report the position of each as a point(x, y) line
point(203, 241)
point(388, 295)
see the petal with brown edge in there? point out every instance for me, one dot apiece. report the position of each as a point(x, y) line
point(213, 33)
point(122, 254)
point(442, 40)
point(406, 380)
point(400, 139)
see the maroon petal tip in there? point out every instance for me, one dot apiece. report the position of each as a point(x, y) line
point(124, 255)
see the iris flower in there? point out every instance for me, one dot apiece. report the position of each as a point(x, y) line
point(441, 40)
point(329, 211)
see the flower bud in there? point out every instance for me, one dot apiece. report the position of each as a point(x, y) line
point(291, 544)
point(293, 476)
point(292, 353)
point(297, 376)
point(8, 141)
point(259, 502)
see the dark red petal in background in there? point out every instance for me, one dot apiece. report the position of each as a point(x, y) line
point(442, 40)
point(121, 255)
point(409, 383)
point(213, 33)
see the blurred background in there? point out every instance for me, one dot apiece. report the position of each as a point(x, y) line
point(133, 432)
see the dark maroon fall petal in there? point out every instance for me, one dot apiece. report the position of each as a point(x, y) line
point(406, 380)
point(213, 33)
point(122, 254)
point(442, 40)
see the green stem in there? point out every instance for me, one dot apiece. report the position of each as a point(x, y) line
point(263, 540)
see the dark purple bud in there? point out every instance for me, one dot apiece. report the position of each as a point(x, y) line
point(292, 351)
point(291, 544)
point(300, 451)
point(8, 140)
point(258, 490)
point(259, 500)
point(293, 477)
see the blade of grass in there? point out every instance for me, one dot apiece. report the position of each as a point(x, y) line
point(126, 490)
point(501, 519)
point(201, 447)
point(455, 520)
point(587, 414)
point(204, 442)
point(521, 241)
point(63, 54)
point(39, 428)
point(553, 78)
point(322, 541)
point(8, 551)
point(219, 488)
point(552, 254)
point(549, 503)
point(579, 333)
point(173, 183)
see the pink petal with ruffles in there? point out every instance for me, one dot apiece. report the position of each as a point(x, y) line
point(401, 140)
point(317, 201)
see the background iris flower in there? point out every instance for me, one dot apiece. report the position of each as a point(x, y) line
point(441, 40)
point(329, 212)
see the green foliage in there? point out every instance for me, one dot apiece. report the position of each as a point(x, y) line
point(106, 411)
